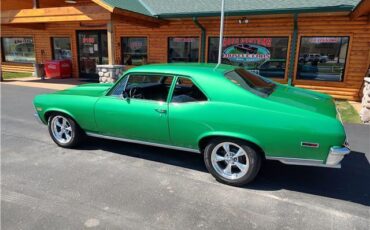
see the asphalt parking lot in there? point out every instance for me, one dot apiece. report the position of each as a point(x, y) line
point(113, 185)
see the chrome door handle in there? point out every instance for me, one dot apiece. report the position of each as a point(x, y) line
point(161, 110)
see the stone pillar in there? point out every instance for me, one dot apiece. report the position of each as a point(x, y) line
point(365, 111)
point(109, 73)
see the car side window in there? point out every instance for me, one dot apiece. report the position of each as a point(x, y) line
point(148, 87)
point(118, 88)
point(186, 91)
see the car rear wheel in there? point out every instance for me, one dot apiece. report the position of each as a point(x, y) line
point(64, 131)
point(231, 161)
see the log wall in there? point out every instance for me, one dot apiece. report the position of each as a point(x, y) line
point(310, 25)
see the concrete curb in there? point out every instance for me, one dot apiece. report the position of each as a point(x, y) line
point(56, 84)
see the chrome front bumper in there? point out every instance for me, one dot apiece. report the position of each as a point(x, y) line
point(38, 118)
point(336, 155)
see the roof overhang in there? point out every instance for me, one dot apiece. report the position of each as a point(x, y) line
point(131, 16)
point(136, 18)
point(330, 9)
point(362, 9)
point(55, 14)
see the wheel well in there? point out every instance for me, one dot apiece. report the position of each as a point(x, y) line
point(204, 141)
point(50, 113)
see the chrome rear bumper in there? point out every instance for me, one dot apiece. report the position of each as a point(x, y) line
point(336, 155)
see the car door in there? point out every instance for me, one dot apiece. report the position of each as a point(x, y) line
point(136, 109)
point(188, 113)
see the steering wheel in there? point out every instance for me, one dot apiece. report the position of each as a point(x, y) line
point(136, 92)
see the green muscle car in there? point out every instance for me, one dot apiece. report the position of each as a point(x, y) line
point(233, 117)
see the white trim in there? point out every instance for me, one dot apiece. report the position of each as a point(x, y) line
point(303, 162)
point(142, 142)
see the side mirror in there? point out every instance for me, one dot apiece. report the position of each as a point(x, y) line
point(125, 95)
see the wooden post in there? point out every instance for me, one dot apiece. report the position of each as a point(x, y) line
point(36, 4)
point(293, 47)
point(110, 40)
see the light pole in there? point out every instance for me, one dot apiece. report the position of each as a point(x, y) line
point(221, 33)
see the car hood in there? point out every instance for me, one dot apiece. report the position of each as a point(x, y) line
point(94, 90)
point(304, 99)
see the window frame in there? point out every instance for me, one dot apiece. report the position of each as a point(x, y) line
point(52, 46)
point(123, 52)
point(168, 47)
point(175, 77)
point(18, 62)
point(126, 77)
point(320, 83)
point(288, 55)
point(194, 82)
point(296, 62)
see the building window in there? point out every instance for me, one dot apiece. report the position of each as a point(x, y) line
point(18, 50)
point(322, 58)
point(134, 51)
point(265, 56)
point(183, 49)
point(61, 48)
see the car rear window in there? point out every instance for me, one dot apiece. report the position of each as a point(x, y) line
point(251, 82)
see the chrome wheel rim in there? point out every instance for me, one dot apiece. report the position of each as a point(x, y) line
point(61, 129)
point(230, 160)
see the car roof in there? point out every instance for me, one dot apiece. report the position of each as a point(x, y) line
point(185, 69)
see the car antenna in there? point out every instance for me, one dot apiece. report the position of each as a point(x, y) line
point(221, 34)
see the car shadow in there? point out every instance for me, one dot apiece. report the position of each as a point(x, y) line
point(350, 183)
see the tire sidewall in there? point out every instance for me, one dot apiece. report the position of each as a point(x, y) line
point(253, 156)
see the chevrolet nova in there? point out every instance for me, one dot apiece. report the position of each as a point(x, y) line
point(235, 118)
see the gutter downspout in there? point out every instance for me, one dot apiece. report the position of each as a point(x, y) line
point(36, 4)
point(203, 39)
point(293, 47)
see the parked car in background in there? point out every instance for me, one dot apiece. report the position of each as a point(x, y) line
point(273, 68)
point(245, 48)
point(235, 118)
point(313, 58)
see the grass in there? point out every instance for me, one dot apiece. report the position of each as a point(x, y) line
point(13, 75)
point(347, 112)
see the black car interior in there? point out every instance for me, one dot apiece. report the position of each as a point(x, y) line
point(159, 92)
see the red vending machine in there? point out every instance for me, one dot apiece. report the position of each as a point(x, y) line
point(58, 69)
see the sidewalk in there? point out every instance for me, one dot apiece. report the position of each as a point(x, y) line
point(356, 105)
point(57, 84)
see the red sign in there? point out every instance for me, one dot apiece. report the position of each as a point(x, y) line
point(266, 42)
point(184, 39)
point(324, 40)
point(250, 56)
point(22, 40)
point(136, 45)
point(88, 40)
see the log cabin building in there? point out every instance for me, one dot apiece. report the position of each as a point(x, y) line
point(319, 45)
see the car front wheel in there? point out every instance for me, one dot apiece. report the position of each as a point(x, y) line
point(232, 162)
point(64, 131)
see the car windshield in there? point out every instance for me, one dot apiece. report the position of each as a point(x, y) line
point(251, 82)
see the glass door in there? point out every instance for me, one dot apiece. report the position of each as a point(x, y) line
point(92, 51)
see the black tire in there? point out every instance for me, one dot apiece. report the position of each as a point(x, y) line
point(253, 155)
point(76, 132)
